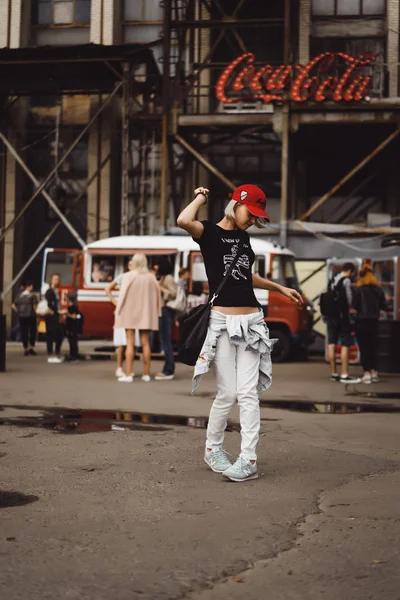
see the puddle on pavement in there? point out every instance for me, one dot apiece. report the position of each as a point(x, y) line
point(9, 499)
point(343, 408)
point(88, 421)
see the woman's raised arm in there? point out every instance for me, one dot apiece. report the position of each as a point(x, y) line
point(187, 219)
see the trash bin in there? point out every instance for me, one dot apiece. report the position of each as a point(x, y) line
point(2, 343)
point(388, 355)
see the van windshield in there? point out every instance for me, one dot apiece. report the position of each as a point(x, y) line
point(284, 271)
point(61, 263)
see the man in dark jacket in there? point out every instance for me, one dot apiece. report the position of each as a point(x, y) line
point(339, 327)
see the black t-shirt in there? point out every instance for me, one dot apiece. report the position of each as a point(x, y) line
point(219, 247)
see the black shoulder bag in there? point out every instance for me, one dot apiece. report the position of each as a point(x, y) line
point(193, 329)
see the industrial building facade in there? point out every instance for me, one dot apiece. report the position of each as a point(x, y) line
point(117, 109)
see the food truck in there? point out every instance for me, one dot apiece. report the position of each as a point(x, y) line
point(89, 271)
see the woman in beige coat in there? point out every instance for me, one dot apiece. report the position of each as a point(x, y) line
point(139, 307)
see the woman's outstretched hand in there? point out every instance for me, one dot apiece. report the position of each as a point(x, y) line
point(292, 294)
point(202, 190)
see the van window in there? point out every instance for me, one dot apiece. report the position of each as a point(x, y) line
point(103, 269)
point(259, 266)
point(62, 263)
point(276, 275)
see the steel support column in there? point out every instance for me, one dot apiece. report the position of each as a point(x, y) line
point(125, 152)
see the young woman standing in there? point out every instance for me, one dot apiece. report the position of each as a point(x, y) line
point(237, 341)
point(54, 329)
point(138, 308)
point(369, 300)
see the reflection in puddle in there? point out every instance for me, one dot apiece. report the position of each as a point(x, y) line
point(88, 421)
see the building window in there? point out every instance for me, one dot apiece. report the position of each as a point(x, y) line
point(348, 8)
point(61, 12)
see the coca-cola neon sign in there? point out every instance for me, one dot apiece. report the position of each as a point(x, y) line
point(242, 80)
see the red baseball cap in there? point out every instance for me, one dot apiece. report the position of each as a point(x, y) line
point(253, 197)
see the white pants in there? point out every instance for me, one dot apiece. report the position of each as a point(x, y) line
point(237, 372)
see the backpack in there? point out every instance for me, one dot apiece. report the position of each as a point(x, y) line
point(178, 304)
point(331, 301)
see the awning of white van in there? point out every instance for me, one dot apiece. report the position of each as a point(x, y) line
point(148, 251)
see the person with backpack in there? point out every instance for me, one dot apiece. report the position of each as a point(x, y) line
point(25, 306)
point(335, 305)
point(369, 301)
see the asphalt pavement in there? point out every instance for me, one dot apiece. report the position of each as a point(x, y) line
point(132, 512)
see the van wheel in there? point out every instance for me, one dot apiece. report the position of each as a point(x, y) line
point(283, 346)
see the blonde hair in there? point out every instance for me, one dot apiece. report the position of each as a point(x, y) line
point(139, 263)
point(367, 277)
point(230, 211)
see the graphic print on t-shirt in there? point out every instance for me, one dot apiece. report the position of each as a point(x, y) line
point(243, 262)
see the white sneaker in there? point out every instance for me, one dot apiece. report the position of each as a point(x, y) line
point(163, 377)
point(125, 379)
point(55, 359)
point(119, 372)
point(366, 379)
point(146, 378)
point(241, 470)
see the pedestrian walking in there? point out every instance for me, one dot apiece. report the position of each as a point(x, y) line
point(237, 341)
point(336, 304)
point(168, 290)
point(25, 306)
point(119, 334)
point(369, 300)
point(54, 328)
point(138, 308)
point(74, 326)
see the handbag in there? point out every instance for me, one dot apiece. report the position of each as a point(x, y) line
point(42, 308)
point(194, 327)
point(178, 304)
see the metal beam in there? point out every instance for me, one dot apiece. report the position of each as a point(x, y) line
point(203, 161)
point(226, 120)
point(49, 199)
point(166, 115)
point(350, 174)
point(60, 162)
point(53, 230)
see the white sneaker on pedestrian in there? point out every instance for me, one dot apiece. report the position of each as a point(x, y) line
point(125, 379)
point(366, 379)
point(146, 378)
point(375, 378)
point(55, 359)
point(119, 372)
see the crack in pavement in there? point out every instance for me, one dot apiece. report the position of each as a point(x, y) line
point(301, 522)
